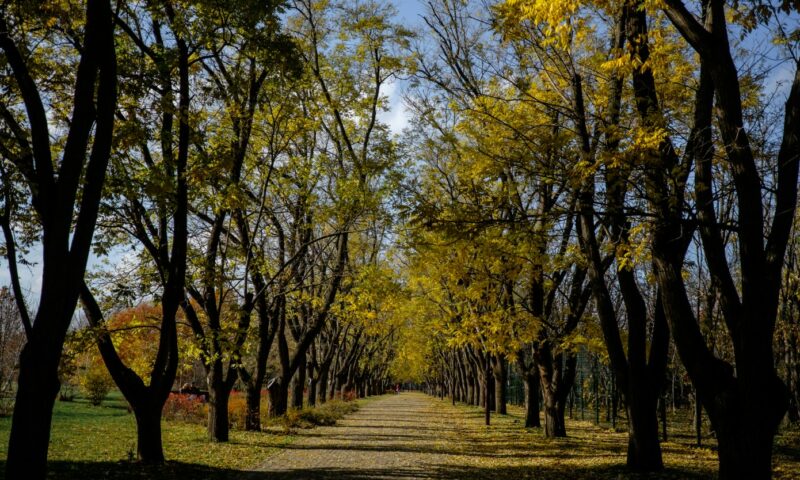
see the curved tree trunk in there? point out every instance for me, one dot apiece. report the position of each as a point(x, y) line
point(66, 231)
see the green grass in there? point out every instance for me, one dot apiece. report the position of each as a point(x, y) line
point(592, 452)
point(89, 442)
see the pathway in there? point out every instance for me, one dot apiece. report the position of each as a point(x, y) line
point(405, 436)
point(412, 436)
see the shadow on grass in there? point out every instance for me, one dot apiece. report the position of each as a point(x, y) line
point(477, 473)
point(177, 470)
point(59, 470)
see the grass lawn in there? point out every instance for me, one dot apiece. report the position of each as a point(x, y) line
point(88, 442)
point(597, 452)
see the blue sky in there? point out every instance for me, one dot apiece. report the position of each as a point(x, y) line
point(396, 118)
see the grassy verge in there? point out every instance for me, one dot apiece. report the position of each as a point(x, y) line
point(90, 442)
point(593, 452)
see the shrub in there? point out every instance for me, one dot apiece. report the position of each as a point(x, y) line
point(67, 392)
point(237, 410)
point(185, 407)
point(323, 415)
point(350, 395)
point(96, 384)
point(6, 405)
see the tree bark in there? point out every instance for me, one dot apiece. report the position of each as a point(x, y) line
point(554, 426)
point(323, 385)
point(278, 399)
point(148, 435)
point(745, 452)
point(744, 406)
point(486, 394)
point(252, 421)
point(644, 448)
point(218, 423)
point(37, 388)
point(312, 392)
point(298, 384)
point(500, 387)
point(55, 196)
point(532, 392)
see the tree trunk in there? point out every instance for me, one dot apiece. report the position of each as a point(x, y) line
point(745, 453)
point(312, 391)
point(323, 386)
point(745, 418)
point(698, 421)
point(278, 399)
point(37, 388)
point(644, 449)
point(148, 435)
point(531, 382)
point(299, 384)
point(500, 387)
point(487, 404)
point(554, 425)
point(65, 247)
point(218, 423)
point(453, 378)
point(334, 387)
point(480, 392)
point(491, 401)
point(252, 421)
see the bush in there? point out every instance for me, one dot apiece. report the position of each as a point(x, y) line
point(193, 409)
point(323, 415)
point(6, 405)
point(96, 384)
point(185, 407)
point(67, 392)
point(237, 410)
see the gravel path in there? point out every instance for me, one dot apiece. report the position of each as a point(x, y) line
point(405, 436)
point(412, 436)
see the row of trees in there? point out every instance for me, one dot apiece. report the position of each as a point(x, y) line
point(583, 175)
point(229, 161)
point(614, 177)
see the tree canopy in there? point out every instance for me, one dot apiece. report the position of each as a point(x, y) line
point(613, 180)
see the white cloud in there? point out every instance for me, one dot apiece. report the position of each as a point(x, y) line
point(781, 79)
point(397, 116)
point(30, 276)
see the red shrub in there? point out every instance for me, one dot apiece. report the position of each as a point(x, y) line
point(185, 407)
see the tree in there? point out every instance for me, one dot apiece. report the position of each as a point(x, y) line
point(745, 405)
point(147, 201)
point(65, 185)
point(12, 338)
point(507, 131)
point(346, 76)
